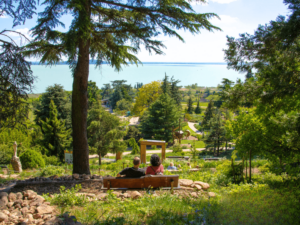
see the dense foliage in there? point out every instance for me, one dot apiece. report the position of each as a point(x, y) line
point(32, 159)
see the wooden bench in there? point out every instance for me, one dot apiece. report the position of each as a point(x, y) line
point(211, 159)
point(178, 157)
point(146, 182)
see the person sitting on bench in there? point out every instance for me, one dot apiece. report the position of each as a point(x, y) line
point(156, 167)
point(171, 167)
point(133, 172)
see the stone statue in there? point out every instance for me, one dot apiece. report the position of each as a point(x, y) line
point(15, 149)
point(15, 161)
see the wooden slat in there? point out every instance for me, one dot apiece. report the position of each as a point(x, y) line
point(143, 182)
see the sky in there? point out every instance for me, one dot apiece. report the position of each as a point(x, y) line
point(236, 16)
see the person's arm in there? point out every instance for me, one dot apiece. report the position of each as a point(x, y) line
point(118, 175)
point(162, 168)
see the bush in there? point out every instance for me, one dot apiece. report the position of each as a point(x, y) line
point(177, 148)
point(32, 159)
point(68, 197)
point(52, 170)
point(52, 160)
point(6, 153)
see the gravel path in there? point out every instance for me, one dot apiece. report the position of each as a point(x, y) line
point(191, 125)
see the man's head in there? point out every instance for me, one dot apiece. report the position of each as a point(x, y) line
point(136, 161)
point(171, 164)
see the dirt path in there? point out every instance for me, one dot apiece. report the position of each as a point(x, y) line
point(147, 152)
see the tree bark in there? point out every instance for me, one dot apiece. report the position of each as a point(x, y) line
point(100, 159)
point(80, 103)
point(250, 166)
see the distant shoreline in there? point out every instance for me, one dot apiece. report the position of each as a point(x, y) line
point(105, 63)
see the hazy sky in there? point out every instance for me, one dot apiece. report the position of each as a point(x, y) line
point(237, 16)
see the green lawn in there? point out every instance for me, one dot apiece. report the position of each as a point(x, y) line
point(199, 144)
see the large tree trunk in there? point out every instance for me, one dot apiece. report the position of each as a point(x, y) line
point(250, 166)
point(100, 159)
point(80, 104)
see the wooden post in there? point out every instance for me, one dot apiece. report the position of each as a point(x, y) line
point(118, 156)
point(143, 153)
point(163, 152)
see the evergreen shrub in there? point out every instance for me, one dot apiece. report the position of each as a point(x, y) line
point(52, 160)
point(52, 170)
point(31, 159)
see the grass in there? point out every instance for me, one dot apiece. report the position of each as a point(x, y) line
point(199, 144)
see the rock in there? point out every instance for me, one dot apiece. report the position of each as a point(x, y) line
point(126, 195)
point(10, 204)
point(194, 194)
point(18, 206)
point(12, 197)
point(76, 176)
point(3, 201)
point(185, 182)
point(102, 196)
point(16, 213)
point(187, 188)
point(204, 186)
point(90, 195)
point(2, 194)
point(3, 217)
point(211, 194)
point(37, 216)
point(198, 187)
point(6, 212)
point(117, 194)
point(44, 209)
point(39, 199)
point(154, 195)
point(135, 195)
point(29, 217)
point(86, 177)
point(29, 194)
point(19, 195)
point(24, 211)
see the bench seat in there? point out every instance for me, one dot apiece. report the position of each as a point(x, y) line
point(149, 181)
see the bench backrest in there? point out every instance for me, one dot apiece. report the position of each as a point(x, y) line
point(156, 181)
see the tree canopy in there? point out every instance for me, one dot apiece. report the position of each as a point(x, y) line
point(110, 31)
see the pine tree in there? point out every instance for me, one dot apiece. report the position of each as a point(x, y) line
point(217, 133)
point(58, 95)
point(190, 108)
point(208, 114)
point(166, 85)
point(105, 131)
point(198, 108)
point(110, 31)
point(56, 136)
point(174, 92)
point(163, 115)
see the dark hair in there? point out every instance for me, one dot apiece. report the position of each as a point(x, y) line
point(155, 160)
point(136, 161)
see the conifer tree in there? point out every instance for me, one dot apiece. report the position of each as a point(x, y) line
point(163, 115)
point(165, 86)
point(56, 136)
point(190, 108)
point(208, 114)
point(110, 31)
point(198, 108)
point(217, 133)
point(57, 94)
point(105, 131)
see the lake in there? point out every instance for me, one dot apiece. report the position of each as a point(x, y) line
point(204, 74)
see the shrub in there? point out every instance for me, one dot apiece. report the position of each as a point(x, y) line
point(52, 160)
point(68, 197)
point(177, 148)
point(32, 159)
point(6, 153)
point(52, 170)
